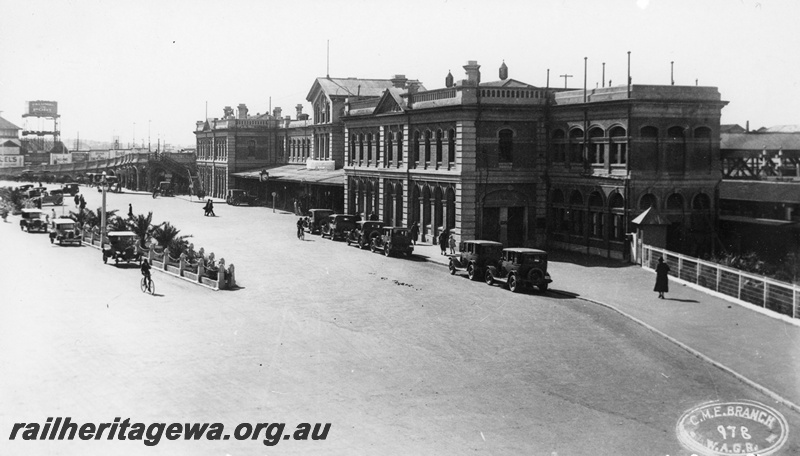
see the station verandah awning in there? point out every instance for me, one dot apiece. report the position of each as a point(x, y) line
point(296, 173)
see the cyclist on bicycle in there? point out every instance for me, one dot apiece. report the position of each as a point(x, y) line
point(146, 270)
point(300, 229)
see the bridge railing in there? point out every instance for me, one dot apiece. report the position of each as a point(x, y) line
point(745, 288)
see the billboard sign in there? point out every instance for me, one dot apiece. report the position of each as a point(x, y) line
point(11, 161)
point(58, 159)
point(41, 108)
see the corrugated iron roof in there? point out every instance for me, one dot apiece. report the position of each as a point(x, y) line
point(6, 125)
point(759, 141)
point(762, 191)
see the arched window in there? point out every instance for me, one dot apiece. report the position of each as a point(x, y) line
point(619, 146)
point(675, 202)
point(427, 146)
point(353, 140)
point(597, 151)
point(415, 151)
point(439, 150)
point(647, 201)
point(399, 147)
point(506, 145)
point(701, 202)
point(702, 133)
point(675, 132)
point(360, 148)
point(596, 215)
point(451, 147)
point(616, 205)
point(576, 145)
point(369, 148)
point(576, 213)
point(389, 148)
point(649, 132)
point(251, 148)
point(559, 146)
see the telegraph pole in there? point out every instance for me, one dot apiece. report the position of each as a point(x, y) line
point(565, 76)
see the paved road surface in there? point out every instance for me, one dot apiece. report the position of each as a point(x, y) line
point(399, 356)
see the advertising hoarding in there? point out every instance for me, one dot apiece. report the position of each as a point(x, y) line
point(40, 108)
point(11, 161)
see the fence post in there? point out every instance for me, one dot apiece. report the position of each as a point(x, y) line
point(719, 274)
point(739, 288)
point(765, 294)
point(680, 265)
point(200, 270)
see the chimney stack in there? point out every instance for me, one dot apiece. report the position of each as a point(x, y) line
point(276, 113)
point(473, 73)
point(399, 81)
point(242, 111)
point(227, 112)
point(413, 87)
point(299, 109)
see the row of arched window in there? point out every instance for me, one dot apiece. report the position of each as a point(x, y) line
point(299, 149)
point(429, 149)
point(208, 149)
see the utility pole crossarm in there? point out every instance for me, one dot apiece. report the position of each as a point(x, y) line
point(565, 76)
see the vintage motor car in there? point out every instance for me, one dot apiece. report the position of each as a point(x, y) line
point(165, 188)
point(316, 218)
point(112, 184)
point(364, 232)
point(54, 197)
point(474, 256)
point(71, 188)
point(25, 187)
point(32, 220)
point(520, 267)
point(393, 240)
point(64, 231)
point(338, 226)
point(237, 197)
point(122, 247)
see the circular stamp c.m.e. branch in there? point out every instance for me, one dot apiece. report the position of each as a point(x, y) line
point(740, 427)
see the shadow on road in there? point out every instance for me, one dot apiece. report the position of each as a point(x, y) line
point(681, 300)
point(561, 294)
point(589, 261)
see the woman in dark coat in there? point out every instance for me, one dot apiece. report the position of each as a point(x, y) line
point(415, 232)
point(662, 280)
point(443, 241)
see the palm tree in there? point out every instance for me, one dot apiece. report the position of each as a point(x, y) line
point(93, 217)
point(118, 224)
point(143, 226)
point(79, 217)
point(166, 233)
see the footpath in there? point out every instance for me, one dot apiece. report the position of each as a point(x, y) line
point(760, 350)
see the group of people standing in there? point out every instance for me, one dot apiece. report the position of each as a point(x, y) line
point(445, 239)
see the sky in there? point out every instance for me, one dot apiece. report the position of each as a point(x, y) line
point(145, 71)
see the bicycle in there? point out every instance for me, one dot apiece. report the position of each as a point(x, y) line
point(147, 285)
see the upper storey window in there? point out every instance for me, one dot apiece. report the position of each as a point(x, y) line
point(506, 139)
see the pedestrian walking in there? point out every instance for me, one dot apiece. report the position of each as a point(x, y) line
point(415, 232)
point(52, 214)
point(77, 200)
point(83, 204)
point(662, 280)
point(452, 242)
point(209, 208)
point(443, 241)
point(130, 210)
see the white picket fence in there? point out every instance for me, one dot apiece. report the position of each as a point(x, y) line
point(747, 288)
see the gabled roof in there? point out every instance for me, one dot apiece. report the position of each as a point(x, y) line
point(6, 125)
point(759, 141)
point(350, 87)
point(391, 100)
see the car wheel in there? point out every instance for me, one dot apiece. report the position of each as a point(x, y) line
point(488, 278)
point(513, 284)
point(452, 268)
point(471, 273)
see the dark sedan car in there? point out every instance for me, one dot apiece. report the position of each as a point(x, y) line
point(364, 232)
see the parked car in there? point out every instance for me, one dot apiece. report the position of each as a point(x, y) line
point(393, 240)
point(338, 226)
point(70, 189)
point(32, 220)
point(64, 231)
point(122, 247)
point(316, 218)
point(165, 188)
point(237, 197)
point(364, 232)
point(474, 256)
point(54, 197)
point(520, 267)
point(25, 187)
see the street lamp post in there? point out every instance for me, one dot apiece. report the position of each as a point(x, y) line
point(103, 182)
